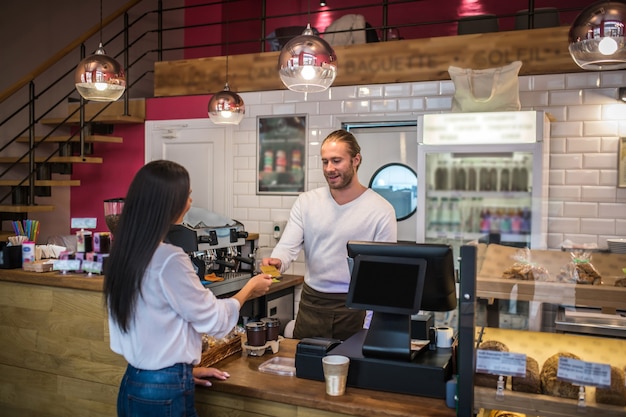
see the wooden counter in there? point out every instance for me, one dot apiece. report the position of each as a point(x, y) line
point(276, 395)
point(55, 359)
point(94, 283)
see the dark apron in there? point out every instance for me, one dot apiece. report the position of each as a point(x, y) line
point(326, 315)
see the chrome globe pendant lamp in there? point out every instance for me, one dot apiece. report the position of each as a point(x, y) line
point(307, 63)
point(99, 77)
point(226, 107)
point(596, 38)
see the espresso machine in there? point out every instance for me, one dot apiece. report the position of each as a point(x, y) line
point(216, 253)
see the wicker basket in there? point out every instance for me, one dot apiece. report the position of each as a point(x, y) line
point(220, 351)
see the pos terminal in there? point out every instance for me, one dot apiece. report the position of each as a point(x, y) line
point(395, 281)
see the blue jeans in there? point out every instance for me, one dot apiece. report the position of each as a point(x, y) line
point(167, 392)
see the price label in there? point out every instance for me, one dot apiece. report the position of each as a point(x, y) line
point(67, 265)
point(92, 266)
point(84, 222)
point(500, 363)
point(580, 372)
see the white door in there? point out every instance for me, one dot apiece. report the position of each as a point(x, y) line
point(199, 146)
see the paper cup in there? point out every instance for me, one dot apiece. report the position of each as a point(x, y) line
point(335, 373)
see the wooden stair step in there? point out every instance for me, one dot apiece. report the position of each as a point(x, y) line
point(41, 183)
point(114, 120)
point(8, 208)
point(54, 159)
point(63, 139)
point(110, 113)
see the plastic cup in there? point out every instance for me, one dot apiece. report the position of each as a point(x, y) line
point(335, 373)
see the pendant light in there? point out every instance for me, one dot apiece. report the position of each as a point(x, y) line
point(226, 107)
point(596, 38)
point(307, 63)
point(99, 77)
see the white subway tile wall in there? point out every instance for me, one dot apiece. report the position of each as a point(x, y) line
point(585, 204)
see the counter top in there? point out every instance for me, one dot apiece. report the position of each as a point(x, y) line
point(94, 283)
point(248, 382)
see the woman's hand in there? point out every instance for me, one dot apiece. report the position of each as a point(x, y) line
point(257, 286)
point(201, 372)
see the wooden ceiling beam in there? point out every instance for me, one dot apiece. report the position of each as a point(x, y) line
point(542, 51)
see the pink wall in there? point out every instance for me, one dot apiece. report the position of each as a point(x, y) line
point(112, 178)
point(121, 161)
point(239, 24)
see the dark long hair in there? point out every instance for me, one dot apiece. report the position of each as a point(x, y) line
point(156, 198)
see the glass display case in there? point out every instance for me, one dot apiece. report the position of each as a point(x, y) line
point(590, 327)
point(483, 174)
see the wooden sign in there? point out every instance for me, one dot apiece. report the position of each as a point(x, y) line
point(542, 51)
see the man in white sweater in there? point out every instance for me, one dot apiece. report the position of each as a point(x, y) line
point(321, 222)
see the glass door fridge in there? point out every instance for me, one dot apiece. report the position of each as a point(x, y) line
point(483, 176)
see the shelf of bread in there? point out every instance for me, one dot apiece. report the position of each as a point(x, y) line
point(546, 276)
point(540, 393)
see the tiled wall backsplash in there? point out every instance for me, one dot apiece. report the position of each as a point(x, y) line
point(585, 204)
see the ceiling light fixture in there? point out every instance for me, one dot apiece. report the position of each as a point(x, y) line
point(596, 38)
point(226, 107)
point(99, 77)
point(307, 63)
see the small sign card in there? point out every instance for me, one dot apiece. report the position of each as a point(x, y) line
point(500, 363)
point(83, 222)
point(67, 265)
point(92, 267)
point(584, 373)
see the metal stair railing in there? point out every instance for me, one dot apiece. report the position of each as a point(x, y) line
point(27, 107)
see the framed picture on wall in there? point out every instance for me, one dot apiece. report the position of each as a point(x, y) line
point(621, 163)
point(281, 154)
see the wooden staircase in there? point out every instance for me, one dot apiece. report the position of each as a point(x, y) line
point(68, 153)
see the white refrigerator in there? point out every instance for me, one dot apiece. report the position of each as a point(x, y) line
point(483, 175)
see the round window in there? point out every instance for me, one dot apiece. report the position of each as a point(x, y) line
point(397, 183)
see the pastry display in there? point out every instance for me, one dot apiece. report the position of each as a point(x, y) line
point(489, 380)
point(586, 273)
point(524, 269)
point(616, 394)
point(580, 270)
point(500, 413)
point(550, 385)
point(529, 383)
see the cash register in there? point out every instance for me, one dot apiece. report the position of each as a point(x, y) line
point(395, 281)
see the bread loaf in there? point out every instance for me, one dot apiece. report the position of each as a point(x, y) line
point(529, 383)
point(550, 385)
point(488, 380)
point(616, 394)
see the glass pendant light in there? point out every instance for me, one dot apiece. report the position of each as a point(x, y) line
point(596, 38)
point(307, 63)
point(226, 107)
point(99, 77)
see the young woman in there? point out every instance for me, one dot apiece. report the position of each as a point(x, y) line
point(158, 309)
